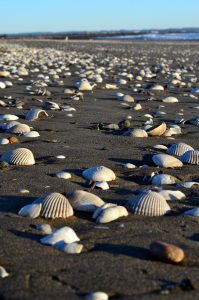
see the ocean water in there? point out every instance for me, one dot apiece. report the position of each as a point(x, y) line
point(158, 36)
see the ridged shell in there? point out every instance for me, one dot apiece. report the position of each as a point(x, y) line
point(65, 234)
point(149, 204)
point(84, 201)
point(35, 114)
point(166, 161)
point(100, 173)
point(55, 205)
point(19, 129)
point(19, 156)
point(194, 121)
point(161, 179)
point(157, 130)
point(190, 157)
point(178, 149)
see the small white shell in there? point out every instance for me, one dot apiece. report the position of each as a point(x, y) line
point(102, 185)
point(166, 161)
point(30, 210)
point(65, 234)
point(85, 85)
point(3, 272)
point(163, 147)
point(71, 248)
point(161, 179)
point(4, 141)
point(19, 156)
point(97, 296)
point(187, 184)
point(190, 157)
point(60, 156)
point(172, 195)
point(19, 129)
point(192, 212)
point(63, 175)
point(35, 114)
point(138, 132)
point(99, 174)
point(8, 117)
point(157, 87)
point(44, 228)
point(84, 201)
point(178, 149)
point(111, 213)
point(170, 100)
point(129, 166)
point(99, 209)
point(157, 130)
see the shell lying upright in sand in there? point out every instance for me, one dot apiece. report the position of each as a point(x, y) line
point(19, 156)
point(85, 85)
point(172, 195)
point(65, 234)
point(84, 201)
point(166, 161)
point(31, 210)
point(178, 149)
point(157, 130)
point(190, 157)
point(19, 129)
point(148, 203)
point(36, 113)
point(100, 173)
point(170, 100)
point(161, 179)
point(111, 213)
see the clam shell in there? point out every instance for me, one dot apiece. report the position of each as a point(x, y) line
point(99, 210)
point(148, 203)
point(19, 156)
point(111, 213)
point(31, 134)
point(157, 130)
point(187, 184)
point(138, 132)
point(19, 129)
point(161, 179)
point(85, 85)
point(166, 161)
point(178, 149)
point(190, 157)
point(172, 195)
point(65, 234)
point(157, 87)
point(4, 141)
point(63, 175)
point(36, 113)
point(192, 212)
point(84, 201)
point(97, 296)
point(102, 185)
point(30, 210)
point(100, 173)
point(71, 248)
point(3, 272)
point(162, 147)
point(170, 100)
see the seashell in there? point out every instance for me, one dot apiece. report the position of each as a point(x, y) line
point(127, 98)
point(102, 185)
point(172, 195)
point(190, 157)
point(163, 147)
point(167, 252)
point(84, 201)
point(187, 184)
point(170, 100)
point(138, 132)
point(194, 121)
point(8, 83)
point(44, 228)
point(161, 179)
point(8, 117)
point(157, 130)
point(71, 248)
point(166, 161)
point(19, 156)
point(156, 87)
point(31, 210)
point(4, 73)
point(100, 173)
point(148, 203)
point(2, 85)
point(97, 296)
point(65, 234)
point(178, 149)
point(137, 106)
point(111, 213)
point(194, 212)
point(23, 191)
point(4, 141)
point(63, 175)
point(10, 124)
point(31, 134)
point(36, 113)
point(19, 129)
point(129, 166)
point(55, 205)
point(60, 157)
point(3, 272)
point(84, 85)
point(51, 105)
point(111, 86)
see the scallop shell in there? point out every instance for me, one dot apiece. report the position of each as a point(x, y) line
point(100, 173)
point(71, 248)
point(111, 213)
point(187, 184)
point(55, 205)
point(148, 203)
point(161, 179)
point(65, 234)
point(157, 130)
point(31, 210)
point(190, 157)
point(178, 149)
point(36, 113)
point(19, 129)
point(166, 161)
point(19, 156)
point(170, 100)
point(138, 132)
point(172, 195)
point(192, 212)
point(84, 201)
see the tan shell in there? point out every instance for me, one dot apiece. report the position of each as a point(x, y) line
point(19, 156)
point(36, 113)
point(190, 157)
point(178, 149)
point(157, 130)
point(167, 252)
point(166, 161)
point(85, 85)
point(19, 128)
point(170, 100)
point(84, 201)
point(138, 132)
point(100, 173)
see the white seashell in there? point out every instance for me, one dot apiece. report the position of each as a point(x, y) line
point(63, 175)
point(161, 179)
point(192, 212)
point(187, 184)
point(137, 106)
point(19, 129)
point(178, 149)
point(84, 201)
point(71, 248)
point(172, 195)
point(8, 83)
point(8, 125)
point(65, 234)
point(190, 157)
point(19, 156)
point(4, 141)
point(36, 113)
point(163, 147)
point(23, 191)
point(138, 132)
point(30, 210)
point(2, 85)
point(97, 296)
point(8, 117)
point(127, 98)
point(166, 161)
point(129, 166)
point(148, 203)
point(111, 213)
point(102, 185)
point(84, 85)
point(99, 209)
point(170, 100)
point(3, 272)
point(111, 86)
point(31, 134)
point(157, 130)
point(157, 87)
point(195, 90)
point(99, 174)
point(44, 228)
point(60, 156)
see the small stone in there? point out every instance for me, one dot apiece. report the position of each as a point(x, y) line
point(167, 252)
point(14, 140)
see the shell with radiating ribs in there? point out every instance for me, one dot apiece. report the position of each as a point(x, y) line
point(19, 156)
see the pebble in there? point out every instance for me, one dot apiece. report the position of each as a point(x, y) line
point(167, 252)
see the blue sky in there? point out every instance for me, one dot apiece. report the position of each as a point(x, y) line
point(70, 15)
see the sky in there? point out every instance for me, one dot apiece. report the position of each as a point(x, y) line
point(18, 16)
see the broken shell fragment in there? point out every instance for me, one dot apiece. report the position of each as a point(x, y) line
point(65, 234)
point(3, 272)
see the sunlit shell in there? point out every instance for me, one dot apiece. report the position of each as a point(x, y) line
point(44, 228)
point(194, 212)
point(137, 106)
point(111, 213)
point(2, 85)
point(178, 149)
point(8, 117)
point(19, 129)
point(187, 184)
point(63, 175)
point(172, 195)
point(190, 157)
point(4, 73)
point(161, 179)
point(36, 113)
point(100, 173)
point(138, 132)
point(148, 203)
point(157, 87)
point(170, 100)
point(70, 248)
point(157, 130)
point(162, 147)
point(102, 185)
point(19, 156)
point(127, 98)
point(85, 85)
point(51, 105)
point(97, 296)
point(3, 272)
point(31, 210)
point(166, 161)
point(84, 201)
point(31, 134)
point(4, 141)
point(65, 234)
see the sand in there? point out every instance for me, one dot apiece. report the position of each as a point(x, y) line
point(116, 257)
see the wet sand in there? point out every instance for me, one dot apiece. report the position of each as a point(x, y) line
point(116, 257)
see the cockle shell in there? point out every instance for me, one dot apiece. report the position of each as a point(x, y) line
point(157, 130)
point(84, 201)
point(187, 184)
point(55, 205)
point(148, 203)
point(178, 149)
point(138, 132)
point(97, 296)
point(166, 161)
point(100, 173)
point(36, 113)
point(65, 234)
point(170, 100)
point(161, 179)
point(19, 156)
point(172, 195)
point(3, 272)
point(8, 117)
point(190, 157)
point(192, 212)
point(31, 210)
point(70, 248)
point(111, 213)
point(19, 129)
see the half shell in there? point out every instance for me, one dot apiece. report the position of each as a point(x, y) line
point(84, 201)
point(166, 161)
point(65, 234)
point(36, 113)
point(178, 149)
point(190, 157)
point(99, 174)
point(19, 156)
point(157, 130)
